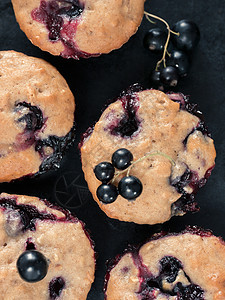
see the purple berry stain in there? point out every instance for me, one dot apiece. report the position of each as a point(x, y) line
point(34, 122)
point(56, 286)
point(129, 124)
point(61, 18)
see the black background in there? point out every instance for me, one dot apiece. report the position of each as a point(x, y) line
point(96, 80)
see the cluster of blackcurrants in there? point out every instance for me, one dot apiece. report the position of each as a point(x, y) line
point(129, 187)
point(185, 36)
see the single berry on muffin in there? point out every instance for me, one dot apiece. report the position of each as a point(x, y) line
point(79, 28)
point(169, 156)
point(186, 266)
point(45, 251)
point(36, 116)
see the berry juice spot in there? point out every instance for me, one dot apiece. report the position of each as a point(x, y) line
point(26, 216)
point(171, 281)
point(52, 150)
point(56, 286)
point(61, 18)
point(30, 245)
point(129, 124)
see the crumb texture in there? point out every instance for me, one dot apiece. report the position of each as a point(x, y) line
point(151, 122)
point(185, 266)
point(62, 241)
point(97, 27)
point(36, 104)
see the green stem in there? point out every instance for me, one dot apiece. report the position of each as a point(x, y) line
point(140, 159)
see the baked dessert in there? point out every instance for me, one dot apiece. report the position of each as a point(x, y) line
point(36, 116)
point(33, 227)
point(172, 155)
point(79, 28)
point(183, 266)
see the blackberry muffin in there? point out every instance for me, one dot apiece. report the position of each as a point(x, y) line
point(33, 227)
point(184, 266)
point(171, 151)
point(79, 28)
point(36, 116)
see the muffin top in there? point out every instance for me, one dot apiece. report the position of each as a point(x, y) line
point(36, 115)
point(28, 223)
point(176, 266)
point(79, 28)
point(168, 137)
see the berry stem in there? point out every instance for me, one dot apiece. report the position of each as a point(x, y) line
point(140, 159)
point(163, 59)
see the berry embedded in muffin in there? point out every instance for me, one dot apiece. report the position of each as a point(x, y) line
point(36, 116)
point(169, 152)
point(75, 28)
point(45, 251)
point(184, 266)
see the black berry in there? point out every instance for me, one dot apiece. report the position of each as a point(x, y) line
point(169, 76)
point(107, 193)
point(155, 40)
point(189, 35)
point(104, 171)
point(32, 266)
point(155, 80)
point(180, 61)
point(122, 158)
point(130, 187)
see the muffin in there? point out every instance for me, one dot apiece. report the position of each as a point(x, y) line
point(189, 265)
point(171, 149)
point(36, 116)
point(79, 28)
point(30, 226)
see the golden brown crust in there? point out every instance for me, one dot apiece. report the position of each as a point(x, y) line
point(34, 81)
point(104, 25)
point(163, 128)
point(64, 244)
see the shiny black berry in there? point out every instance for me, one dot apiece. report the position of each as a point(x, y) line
point(155, 40)
point(189, 35)
point(130, 187)
point(155, 81)
point(104, 171)
point(32, 266)
point(122, 158)
point(107, 193)
point(169, 76)
point(180, 60)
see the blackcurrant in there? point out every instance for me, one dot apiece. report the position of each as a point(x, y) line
point(130, 187)
point(180, 60)
point(107, 193)
point(169, 76)
point(32, 266)
point(155, 39)
point(122, 158)
point(189, 35)
point(104, 171)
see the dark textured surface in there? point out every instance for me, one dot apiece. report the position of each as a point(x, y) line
point(94, 81)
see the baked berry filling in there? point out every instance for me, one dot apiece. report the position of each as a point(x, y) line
point(32, 118)
point(61, 18)
point(187, 201)
point(30, 245)
point(129, 124)
point(28, 215)
point(52, 149)
point(171, 281)
point(56, 286)
point(57, 145)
